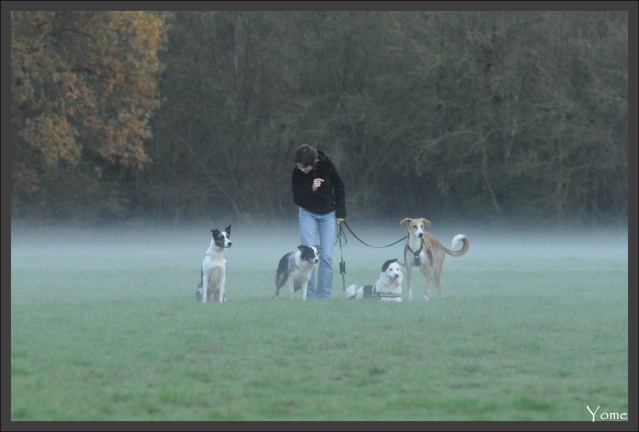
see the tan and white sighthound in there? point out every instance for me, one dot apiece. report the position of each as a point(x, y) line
point(424, 251)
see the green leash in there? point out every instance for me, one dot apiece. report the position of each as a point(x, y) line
point(342, 264)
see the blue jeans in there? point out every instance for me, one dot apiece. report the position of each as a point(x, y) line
point(312, 224)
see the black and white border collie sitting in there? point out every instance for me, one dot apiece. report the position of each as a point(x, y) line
point(213, 270)
point(387, 288)
point(296, 267)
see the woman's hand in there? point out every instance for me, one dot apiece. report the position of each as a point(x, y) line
point(317, 183)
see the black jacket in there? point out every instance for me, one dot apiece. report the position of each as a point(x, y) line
point(328, 197)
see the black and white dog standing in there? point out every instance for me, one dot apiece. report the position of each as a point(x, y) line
point(387, 288)
point(296, 267)
point(213, 271)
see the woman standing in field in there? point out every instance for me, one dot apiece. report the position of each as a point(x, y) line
point(319, 192)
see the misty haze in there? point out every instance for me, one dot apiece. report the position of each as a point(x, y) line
point(262, 246)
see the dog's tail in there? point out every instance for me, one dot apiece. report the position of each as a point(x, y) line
point(459, 238)
point(350, 292)
point(281, 274)
point(198, 290)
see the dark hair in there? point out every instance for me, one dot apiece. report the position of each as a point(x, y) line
point(305, 155)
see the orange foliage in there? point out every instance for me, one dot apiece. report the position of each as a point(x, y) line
point(82, 81)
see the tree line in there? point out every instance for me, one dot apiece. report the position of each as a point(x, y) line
point(190, 116)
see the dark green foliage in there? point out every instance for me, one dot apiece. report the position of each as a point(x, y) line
point(479, 115)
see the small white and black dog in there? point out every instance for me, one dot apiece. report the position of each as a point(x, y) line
point(296, 267)
point(213, 271)
point(387, 288)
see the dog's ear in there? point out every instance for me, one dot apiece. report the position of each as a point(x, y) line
point(426, 222)
point(228, 230)
point(401, 264)
point(216, 232)
point(404, 220)
point(387, 263)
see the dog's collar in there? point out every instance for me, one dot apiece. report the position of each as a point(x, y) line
point(415, 254)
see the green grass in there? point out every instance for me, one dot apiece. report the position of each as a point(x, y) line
point(118, 336)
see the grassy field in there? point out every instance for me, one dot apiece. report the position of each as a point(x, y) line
point(104, 327)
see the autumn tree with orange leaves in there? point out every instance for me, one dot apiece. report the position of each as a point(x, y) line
point(84, 86)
